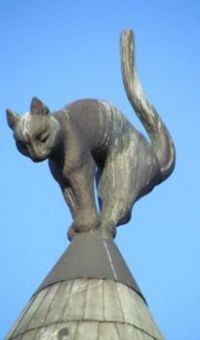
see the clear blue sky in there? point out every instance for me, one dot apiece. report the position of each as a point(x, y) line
point(66, 50)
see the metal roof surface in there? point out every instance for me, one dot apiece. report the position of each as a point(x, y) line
point(91, 256)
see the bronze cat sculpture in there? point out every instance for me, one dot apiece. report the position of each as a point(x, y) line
point(91, 138)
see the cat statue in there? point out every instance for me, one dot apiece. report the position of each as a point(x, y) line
point(90, 139)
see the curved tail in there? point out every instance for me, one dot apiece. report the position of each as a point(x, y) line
point(159, 135)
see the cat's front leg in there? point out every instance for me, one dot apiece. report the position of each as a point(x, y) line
point(79, 195)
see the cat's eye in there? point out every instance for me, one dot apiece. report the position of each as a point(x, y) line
point(43, 137)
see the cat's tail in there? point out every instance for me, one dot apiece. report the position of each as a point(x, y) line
point(156, 129)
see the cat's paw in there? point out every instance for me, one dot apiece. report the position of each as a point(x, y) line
point(86, 222)
point(71, 233)
point(82, 224)
point(108, 229)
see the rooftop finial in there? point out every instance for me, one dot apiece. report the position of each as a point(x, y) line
point(90, 292)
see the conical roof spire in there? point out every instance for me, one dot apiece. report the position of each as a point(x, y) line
point(89, 294)
point(90, 256)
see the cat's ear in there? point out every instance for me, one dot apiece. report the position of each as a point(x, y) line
point(38, 108)
point(12, 119)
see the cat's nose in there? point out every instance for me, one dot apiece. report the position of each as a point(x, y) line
point(37, 159)
point(35, 154)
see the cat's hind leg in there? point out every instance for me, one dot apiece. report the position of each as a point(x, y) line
point(116, 190)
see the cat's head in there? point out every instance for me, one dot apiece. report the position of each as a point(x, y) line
point(35, 132)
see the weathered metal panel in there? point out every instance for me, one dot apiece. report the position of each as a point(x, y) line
point(86, 309)
point(39, 318)
point(112, 306)
point(94, 311)
point(88, 330)
point(75, 306)
point(59, 303)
